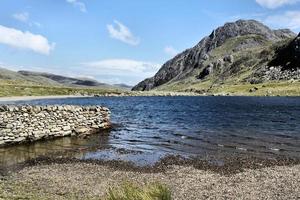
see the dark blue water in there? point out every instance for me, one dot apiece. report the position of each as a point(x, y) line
point(147, 128)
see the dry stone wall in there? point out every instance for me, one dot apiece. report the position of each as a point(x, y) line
point(30, 123)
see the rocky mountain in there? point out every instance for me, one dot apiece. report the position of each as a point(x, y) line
point(285, 64)
point(231, 54)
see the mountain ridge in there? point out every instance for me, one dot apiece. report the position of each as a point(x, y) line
point(50, 79)
point(194, 60)
point(64, 80)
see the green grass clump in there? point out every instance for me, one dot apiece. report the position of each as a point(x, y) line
point(129, 191)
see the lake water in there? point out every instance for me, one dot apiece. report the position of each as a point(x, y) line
point(148, 128)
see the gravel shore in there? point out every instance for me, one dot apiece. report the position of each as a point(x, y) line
point(91, 181)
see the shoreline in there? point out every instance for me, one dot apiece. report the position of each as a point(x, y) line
point(221, 165)
point(75, 179)
point(29, 98)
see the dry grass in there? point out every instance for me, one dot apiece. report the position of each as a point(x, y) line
point(130, 191)
point(13, 89)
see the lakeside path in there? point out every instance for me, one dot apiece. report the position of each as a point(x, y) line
point(92, 181)
point(28, 98)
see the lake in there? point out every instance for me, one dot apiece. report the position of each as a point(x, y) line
point(146, 129)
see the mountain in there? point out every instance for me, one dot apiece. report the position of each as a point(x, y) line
point(6, 74)
point(124, 86)
point(63, 80)
point(48, 79)
point(232, 54)
point(15, 77)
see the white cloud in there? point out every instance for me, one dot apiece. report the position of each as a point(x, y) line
point(37, 24)
point(124, 65)
point(22, 17)
point(112, 80)
point(78, 4)
point(120, 32)
point(120, 70)
point(272, 4)
point(289, 19)
point(170, 51)
point(25, 40)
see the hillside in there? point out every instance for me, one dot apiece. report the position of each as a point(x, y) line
point(62, 80)
point(25, 83)
point(231, 59)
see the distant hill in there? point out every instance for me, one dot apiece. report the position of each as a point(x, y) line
point(241, 52)
point(48, 79)
point(124, 86)
point(63, 80)
point(13, 76)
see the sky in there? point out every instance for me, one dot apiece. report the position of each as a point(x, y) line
point(118, 41)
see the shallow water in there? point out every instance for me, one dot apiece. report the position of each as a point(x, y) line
point(148, 128)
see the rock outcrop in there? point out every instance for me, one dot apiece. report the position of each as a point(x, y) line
point(288, 57)
point(30, 123)
point(284, 65)
point(186, 62)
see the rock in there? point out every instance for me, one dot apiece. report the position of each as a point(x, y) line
point(82, 130)
point(206, 71)
point(66, 128)
point(228, 58)
point(288, 57)
point(95, 126)
point(253, 89)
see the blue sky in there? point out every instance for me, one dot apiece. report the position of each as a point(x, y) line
point(118, 41)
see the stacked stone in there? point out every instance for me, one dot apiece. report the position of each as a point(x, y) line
point(30, 123)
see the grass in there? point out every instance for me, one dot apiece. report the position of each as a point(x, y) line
point(236, 88)
point(130, 191)
point(10, 88)
point(13, 190)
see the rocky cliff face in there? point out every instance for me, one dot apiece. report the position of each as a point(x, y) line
point(285, 65)
point(186, 63)
point(288, 57)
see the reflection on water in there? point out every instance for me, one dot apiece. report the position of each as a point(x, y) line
point(188, 126)
point(61, 147)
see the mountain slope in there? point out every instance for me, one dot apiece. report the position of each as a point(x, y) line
point(63, 80)
point(229, 54)
point(48, 79)
point(42, 84)
point(15, 77)
point(288, 56)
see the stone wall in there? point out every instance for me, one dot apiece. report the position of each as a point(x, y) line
point(30, 123)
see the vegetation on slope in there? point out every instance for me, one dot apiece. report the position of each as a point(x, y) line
point(236, 77)
point(236, 54)
point(20, 88)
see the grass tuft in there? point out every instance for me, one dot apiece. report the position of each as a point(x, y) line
point(130, 191)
